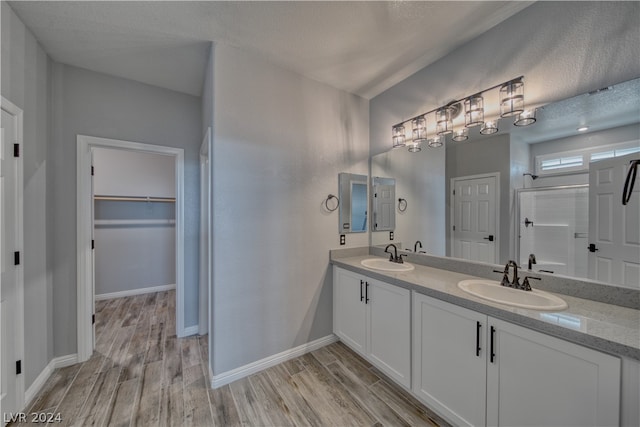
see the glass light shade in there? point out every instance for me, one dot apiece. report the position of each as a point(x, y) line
point(398, 136)
point(444, 121)
point(473, 111)
point(414, 148)
point(419, 129)
point(526, 118)
point(489, 127)
point(461, 135)
point(436, 141)
point(512, 98)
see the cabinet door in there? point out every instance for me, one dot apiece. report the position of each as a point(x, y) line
point(349, 311)
point(389, 322)
point(449, 359)
point(538, 380)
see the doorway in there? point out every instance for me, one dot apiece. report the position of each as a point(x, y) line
point(85, 236)
point(475, 215)
point(11, 263)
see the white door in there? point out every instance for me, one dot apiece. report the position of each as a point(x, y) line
point(11, 276)
point(614, 229)
point(475, 209)
point(384, 196)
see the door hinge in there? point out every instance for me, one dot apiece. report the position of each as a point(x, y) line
point(16, 150)
point(93, 319)
point(454, 228)
point(92, 171)
point(16, 258)
point(454, 192)
point(93, 244)
point(18, 367)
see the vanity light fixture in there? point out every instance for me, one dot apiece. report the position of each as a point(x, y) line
point(398, 136)
point(526, 118)
point(461, 134)
point(489, 127)
point(511, 103)
point(512, 98)
point(474, 111)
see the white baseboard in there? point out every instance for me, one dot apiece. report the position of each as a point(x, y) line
point(41, 379)
point(132, 292)
point(257, 366)
point(189, 330)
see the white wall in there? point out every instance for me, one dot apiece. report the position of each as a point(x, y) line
point(90, 103)
point(25, 70)
point(127, 173)
point(280, 141)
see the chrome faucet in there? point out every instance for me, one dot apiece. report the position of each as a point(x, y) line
point(393, 257)
point(532, 260)
point(415, 246)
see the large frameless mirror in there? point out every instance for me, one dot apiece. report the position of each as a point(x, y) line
point(560, 185)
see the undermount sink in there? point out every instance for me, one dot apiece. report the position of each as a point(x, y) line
point(492, 290)
point(386, 265)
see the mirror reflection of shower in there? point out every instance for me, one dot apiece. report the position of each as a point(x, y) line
point(554, 225)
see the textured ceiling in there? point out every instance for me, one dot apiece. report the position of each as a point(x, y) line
point(361, 47)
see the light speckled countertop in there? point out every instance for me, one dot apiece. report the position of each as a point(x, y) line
point(605, 327)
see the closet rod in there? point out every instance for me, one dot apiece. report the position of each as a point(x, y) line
point(135, 199)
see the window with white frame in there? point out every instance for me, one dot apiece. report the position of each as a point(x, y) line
point(576, 161)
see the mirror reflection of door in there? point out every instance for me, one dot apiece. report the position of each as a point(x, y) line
point(475, 210)
point(384, 197)
point(614, 229)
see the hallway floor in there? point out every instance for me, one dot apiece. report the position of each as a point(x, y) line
point(142, 374)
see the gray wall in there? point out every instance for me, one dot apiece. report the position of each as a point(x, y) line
point(420, 179)
point(95, 104)
point(488, 155)
point(25, 68)
point(280, 141)
point(135, 246)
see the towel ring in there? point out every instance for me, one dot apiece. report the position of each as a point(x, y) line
point(402, 205)
point(326, 202)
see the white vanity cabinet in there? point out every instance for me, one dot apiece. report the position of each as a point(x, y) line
point(373, 318)
point(477, 370)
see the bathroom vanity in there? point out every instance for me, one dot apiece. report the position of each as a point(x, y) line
point(477, 362)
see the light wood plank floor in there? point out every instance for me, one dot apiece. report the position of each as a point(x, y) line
point(142, 374)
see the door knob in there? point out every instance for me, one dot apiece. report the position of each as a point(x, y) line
point(490, 238)
point(592, 247)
